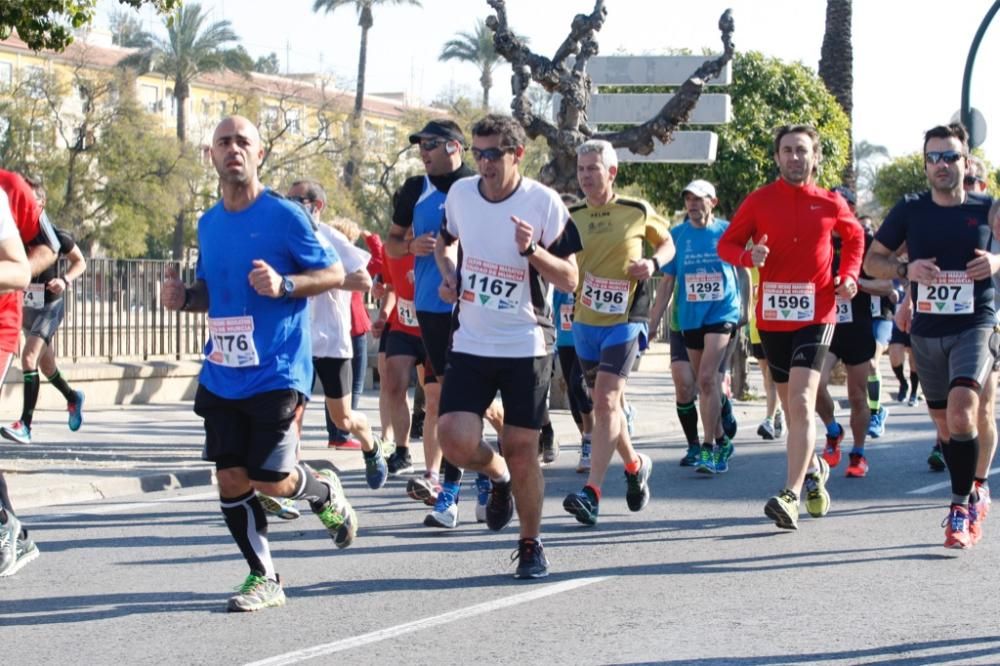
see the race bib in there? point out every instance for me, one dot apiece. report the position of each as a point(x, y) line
point(406, 312)
point(34, 296)
point(788, 301)
point(492, 286)
point(566, 315)
point(876, 307)
point(703, 287)
point(605, 295)
point(950, 294)
point(844, 313)
point(232, 342)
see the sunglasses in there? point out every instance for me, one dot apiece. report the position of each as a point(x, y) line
point(431, 144)
point(490, 154)
point(972, 180)
point(302, 200)
point(947, 156)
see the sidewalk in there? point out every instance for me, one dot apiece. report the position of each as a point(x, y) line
point(146, 448)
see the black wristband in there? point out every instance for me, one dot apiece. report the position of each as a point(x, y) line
point(656, 263)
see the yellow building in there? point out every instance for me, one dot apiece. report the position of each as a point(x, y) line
point(293, 108)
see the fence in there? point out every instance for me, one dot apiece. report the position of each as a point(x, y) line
point(113, 313)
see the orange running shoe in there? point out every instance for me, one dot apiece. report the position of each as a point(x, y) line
point(831, 454)
point(956, 528)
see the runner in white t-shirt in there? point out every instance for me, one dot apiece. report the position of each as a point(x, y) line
point(516, 238)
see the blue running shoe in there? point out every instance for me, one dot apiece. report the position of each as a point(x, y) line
point(376, 469)
point(723, 452)
point(583, 505)
point(445, 513)
point(75, 410)
point(876, 426)
point(692, 456)
point(483, 488)
point(706, 460)
point(728, 419)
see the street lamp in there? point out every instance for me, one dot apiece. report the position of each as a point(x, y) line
point(966, 108)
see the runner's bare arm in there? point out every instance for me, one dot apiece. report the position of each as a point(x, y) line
point(267, 282)
point(446, 257)
point(15, 272)
point(359, 280)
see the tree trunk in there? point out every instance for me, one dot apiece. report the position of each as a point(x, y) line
point(486, 81)
point(181, 94)
point(357, 120)
point(836, 69)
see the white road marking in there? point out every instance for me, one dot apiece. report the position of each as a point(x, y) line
point(417, 625)
point(119, 508)
point(926, 490)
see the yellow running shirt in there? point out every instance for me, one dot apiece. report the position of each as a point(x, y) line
point(612, 237)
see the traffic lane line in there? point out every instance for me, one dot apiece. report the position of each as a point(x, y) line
point(426, 623)
point(938, 486)
point(117, 508)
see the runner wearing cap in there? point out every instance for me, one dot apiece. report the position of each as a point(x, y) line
point(790, 223)
point(419, 206)
point(708, 309)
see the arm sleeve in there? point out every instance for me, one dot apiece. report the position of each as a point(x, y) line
point(657, 228)
point(733, 242)
point(376, 264)
point(670, 268)
point(892, 233)
point(568, 242)
point(404, 200)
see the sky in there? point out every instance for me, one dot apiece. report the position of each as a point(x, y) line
point(909, 55)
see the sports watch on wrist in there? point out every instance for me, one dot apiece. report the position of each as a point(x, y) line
point(530, 250)
point(287, 286)
point(902, 268)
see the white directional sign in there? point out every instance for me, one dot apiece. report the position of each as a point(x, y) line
point(688, 147)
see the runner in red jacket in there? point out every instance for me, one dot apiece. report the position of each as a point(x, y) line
point(784, 229)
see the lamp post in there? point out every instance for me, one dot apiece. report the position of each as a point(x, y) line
point(966, 108)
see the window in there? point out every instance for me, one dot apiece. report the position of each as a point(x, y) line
point(34, 81)
point(269, 117)
point(149, 96)
point(222, 109)
point(391, 134)
point(206, 107)
point(37, 136)
point(292, 119)
point(6, 74)
point(371, 133)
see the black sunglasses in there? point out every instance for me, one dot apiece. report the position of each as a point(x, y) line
point(302, 200)
point(947, 156)
point(490, 154)
point(431, 144)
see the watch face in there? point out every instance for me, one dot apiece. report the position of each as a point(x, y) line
point(288, 285)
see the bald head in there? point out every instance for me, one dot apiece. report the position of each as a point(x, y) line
point(236, 150)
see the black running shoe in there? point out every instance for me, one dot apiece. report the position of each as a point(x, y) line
point(531, 562)
point(499, 507)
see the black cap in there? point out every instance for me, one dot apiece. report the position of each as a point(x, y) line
point(439, 129)
point(847, 193)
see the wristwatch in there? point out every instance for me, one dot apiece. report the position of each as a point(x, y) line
point(902, 268)
point(656, 263)
point(530, 250)
point(287, 286)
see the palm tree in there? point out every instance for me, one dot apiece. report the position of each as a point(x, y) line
point(477, 48)
point(192, 47)
point(836, 65)
point(365, 20)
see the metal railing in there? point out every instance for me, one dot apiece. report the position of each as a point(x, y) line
point(114, 313)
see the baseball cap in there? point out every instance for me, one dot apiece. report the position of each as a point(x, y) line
point(437, 129)
point(700, 188)
point(847, 193)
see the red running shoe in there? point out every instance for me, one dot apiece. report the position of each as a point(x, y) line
point(858, 467)
point(831, 454)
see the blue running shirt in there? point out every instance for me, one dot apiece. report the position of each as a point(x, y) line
point(707, 291)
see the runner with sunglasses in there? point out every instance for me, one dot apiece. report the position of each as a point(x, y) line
point(946, 235)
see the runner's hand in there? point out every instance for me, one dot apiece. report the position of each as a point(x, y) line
point(423, 245)
point(448, 289)
point(924, 271)
point(904, 316)
point(846, 289)
point(172, 290)
point(759, 252)
point(640, 270)
point(524, 233)
point(264, 279)
point(983, 266)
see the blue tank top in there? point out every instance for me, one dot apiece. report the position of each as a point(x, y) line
point(428, 213)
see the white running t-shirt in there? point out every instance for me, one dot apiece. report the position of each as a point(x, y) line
point(330, 312)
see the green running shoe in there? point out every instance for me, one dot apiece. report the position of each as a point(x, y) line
point(256, 592)
point(817, 497)
point(783, 509)
point(337, 516)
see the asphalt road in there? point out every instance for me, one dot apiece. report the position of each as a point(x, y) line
point(699, 577)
